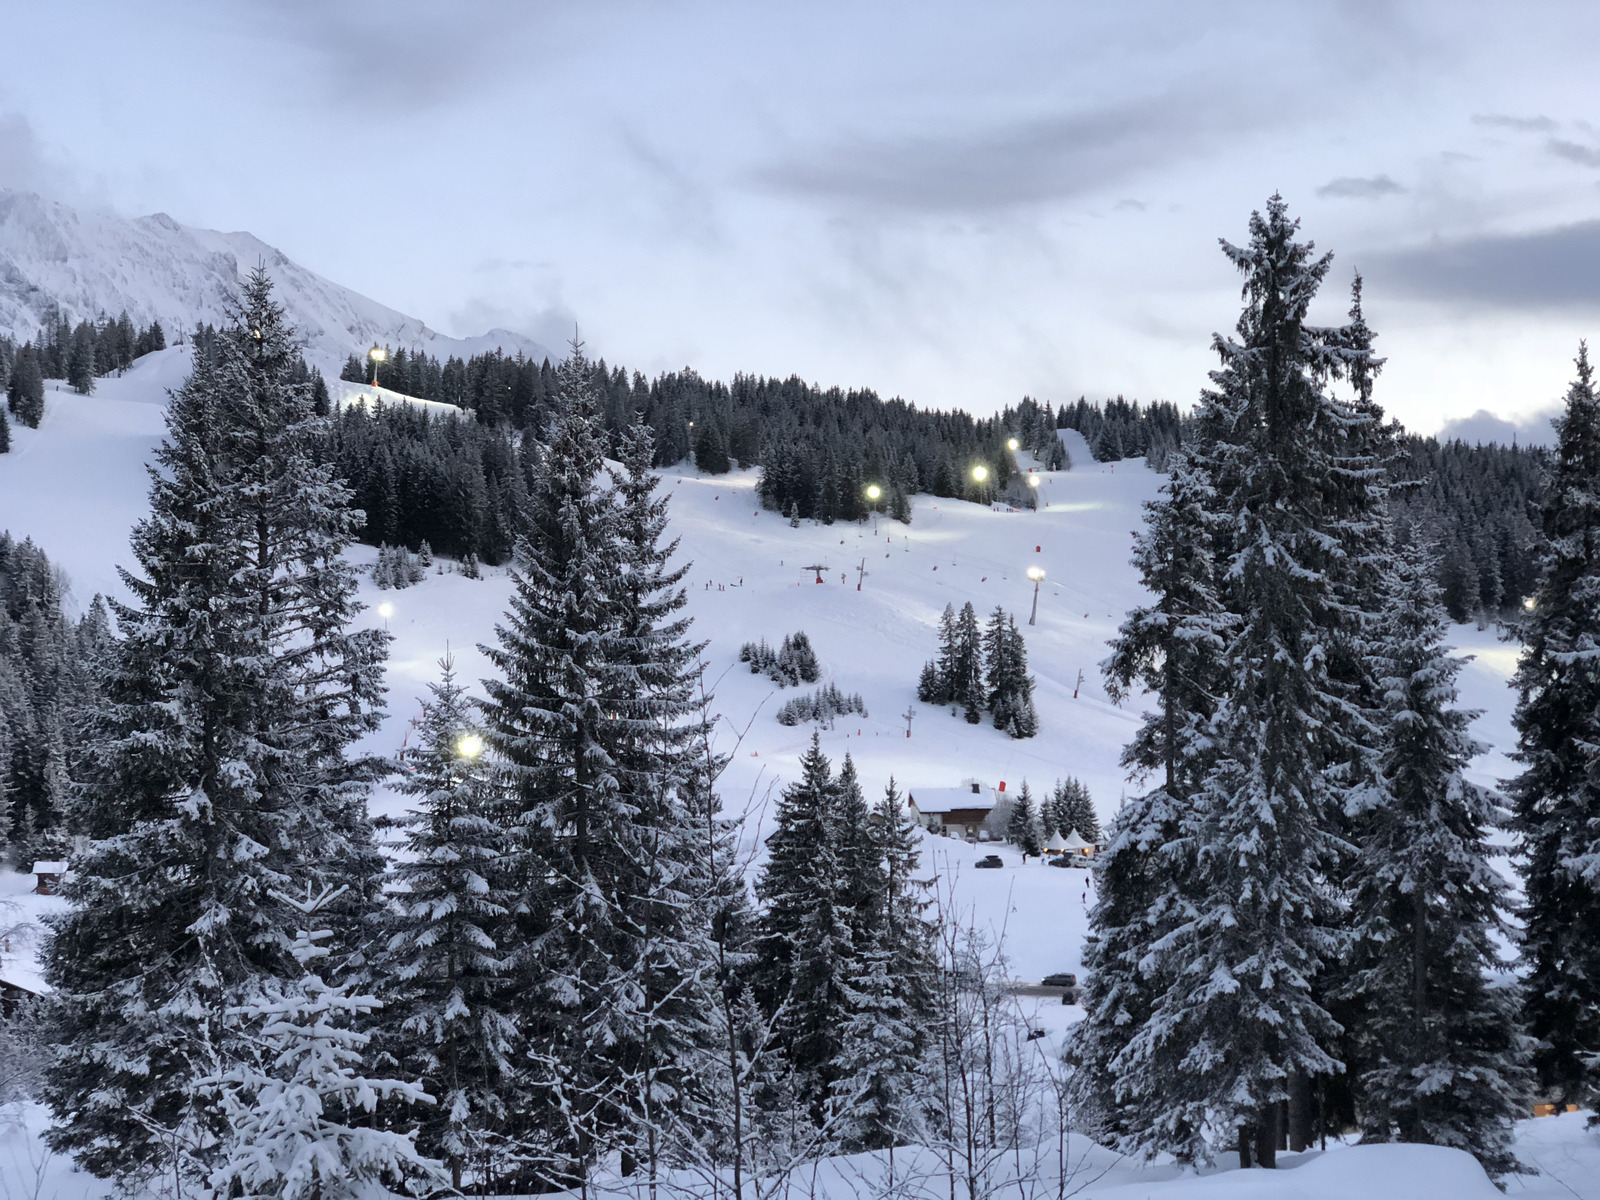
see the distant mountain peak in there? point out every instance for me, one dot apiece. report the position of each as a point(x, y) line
point(88, 262)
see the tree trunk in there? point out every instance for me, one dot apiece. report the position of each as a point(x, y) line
point(1245, 1136)
point(1300, 1111)
point(1267, 1136)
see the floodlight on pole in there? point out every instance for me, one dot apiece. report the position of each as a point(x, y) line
point(873, 491)
point(980, 472)
point(1033, 481)
point(377, 354)
point(386, 610)
point(1530, 604)
point(1037, 575)
point(1012, 444)
point(470, 745)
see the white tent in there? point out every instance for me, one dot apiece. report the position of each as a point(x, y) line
point(1055, 845)
point(1075, 844)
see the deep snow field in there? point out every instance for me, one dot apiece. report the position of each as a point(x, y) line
point(77, 483)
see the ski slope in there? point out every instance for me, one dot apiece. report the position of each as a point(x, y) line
point(78, 482)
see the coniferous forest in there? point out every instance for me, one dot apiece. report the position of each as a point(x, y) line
point(578, 963)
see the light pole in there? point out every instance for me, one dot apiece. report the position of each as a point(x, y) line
point(386, 610)
point(873, 492)
point(1033, 482)
point(377, 354)
point(1037, 575)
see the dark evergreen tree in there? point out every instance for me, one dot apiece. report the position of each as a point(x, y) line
point(1292, 492)
point(711, 450)
point(1022, 827)
point(224, 776)
point(1072, 809)
point(448, 979)
point(1557, 795)
point(804, 948)
point(81, 359)
point(25, 388)
point(1444, 1060)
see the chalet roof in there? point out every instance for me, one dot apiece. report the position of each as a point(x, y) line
point(948, 799)
point(49, 868)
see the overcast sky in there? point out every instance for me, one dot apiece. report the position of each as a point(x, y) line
point(957, 203)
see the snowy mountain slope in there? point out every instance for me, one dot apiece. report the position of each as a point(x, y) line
point(91, 262)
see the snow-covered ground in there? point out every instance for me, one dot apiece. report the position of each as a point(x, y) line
point(77, 483)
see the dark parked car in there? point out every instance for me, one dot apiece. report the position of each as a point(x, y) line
point(990, 861)
point(1060, 979)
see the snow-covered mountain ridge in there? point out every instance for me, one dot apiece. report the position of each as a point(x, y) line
point(89, 262)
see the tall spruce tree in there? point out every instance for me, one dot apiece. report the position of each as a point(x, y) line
point(1171, 648)
point(683, 859)
point(225, 775)
point(1239, 1017)
point(1444, 1061)
point(552, 717)
point(1557, 795)
point(805, 956)
point(451, 1006)
point(25, 388)
point(1022, 827)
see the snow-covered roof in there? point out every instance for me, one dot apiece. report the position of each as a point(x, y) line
point(943, 800)
point(1073, 842)
point(49, 868)
point(1054, 843)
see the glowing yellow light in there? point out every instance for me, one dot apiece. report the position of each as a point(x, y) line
point(470, 746)
point(1036, 573)
point(1013, 444)
point(386, 610)
point(1033, 481)
point(873, 491)
point(1529, 604)
point(377, 354)
point(980, 472)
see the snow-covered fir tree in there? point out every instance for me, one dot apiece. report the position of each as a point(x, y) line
point(1221, 1057)
point(1171, 648)
point(1557, 795)
point(224, 777)
point(684, 854)
point(1071, 809)
point(805, 951)
point(299, 1111)
point(452, 1012)
point(589, 722)
point(1023, 827)
point(1008, 692)
point(1443, 1058)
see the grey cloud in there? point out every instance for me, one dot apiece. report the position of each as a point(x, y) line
point(1520, 124)
point(1131, 205)
point(382, 53)
point(1353, 188)
point(1549, 268)
point(1531, 429)
point(1586, 156)
point(24, 165)
point(1021, 163)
